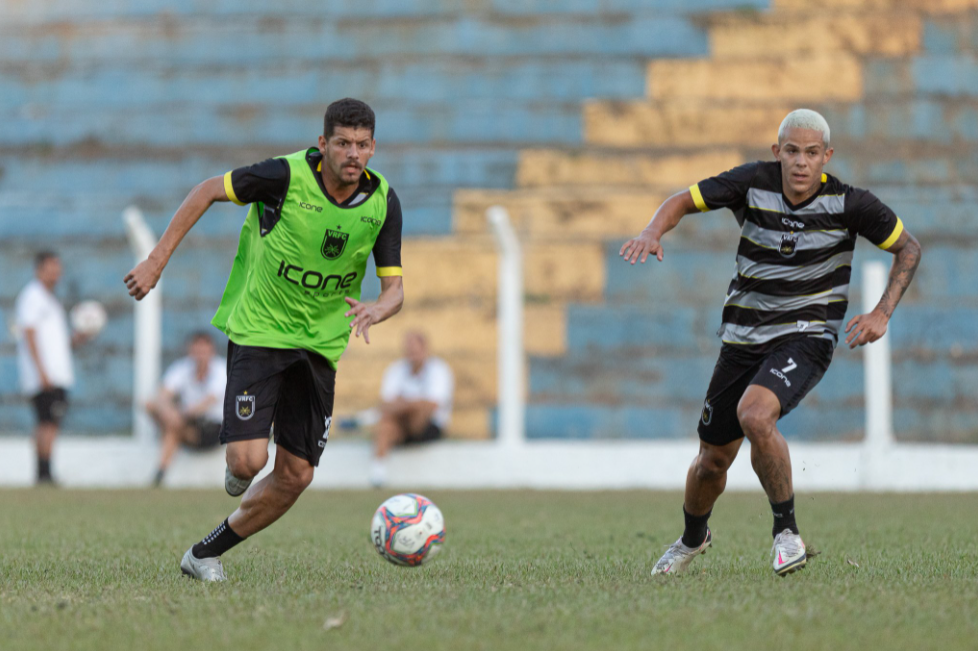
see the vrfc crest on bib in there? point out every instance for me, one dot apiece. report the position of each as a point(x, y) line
point(334, 244)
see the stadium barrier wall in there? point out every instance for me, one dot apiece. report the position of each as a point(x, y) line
point(875, 464)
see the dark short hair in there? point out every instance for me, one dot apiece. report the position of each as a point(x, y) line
point(200, 335)
point(348, 112)
point(44, 256)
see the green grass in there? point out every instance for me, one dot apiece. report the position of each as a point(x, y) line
point(521, 570)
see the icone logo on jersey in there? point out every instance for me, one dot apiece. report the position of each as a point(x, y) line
point(790, 223)
point(314, 280)
point(309, 206)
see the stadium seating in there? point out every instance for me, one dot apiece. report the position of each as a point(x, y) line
point(579, 116)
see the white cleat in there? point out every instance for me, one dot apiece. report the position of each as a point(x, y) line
point(789, 553)
point(233, 485)
point(678, 557)
point(205, 569)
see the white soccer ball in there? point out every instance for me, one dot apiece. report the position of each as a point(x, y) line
point(88, 318)
point(408, 529)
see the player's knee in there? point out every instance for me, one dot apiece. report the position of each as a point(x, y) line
point(295, 479)
point(244, 466)
point(711, 466)
point(755, 421)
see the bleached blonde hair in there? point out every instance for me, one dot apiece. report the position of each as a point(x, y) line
point(805, 119)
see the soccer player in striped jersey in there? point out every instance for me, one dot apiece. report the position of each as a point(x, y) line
point(781, 319)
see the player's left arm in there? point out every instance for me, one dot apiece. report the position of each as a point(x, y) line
point(387, 305)
point(387, 257)
point(867, 328)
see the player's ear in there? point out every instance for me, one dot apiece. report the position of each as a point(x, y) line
point(776, 150)
point(322, 144)
point(828, 155)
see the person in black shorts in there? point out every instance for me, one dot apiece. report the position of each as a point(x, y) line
point(784, 310)
point(190, 406)
point(290, 306)
point(44, 356)
point(416, 402)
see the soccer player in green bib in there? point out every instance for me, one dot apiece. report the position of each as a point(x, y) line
point(315, 217)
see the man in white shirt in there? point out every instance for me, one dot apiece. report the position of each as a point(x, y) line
point(44, 355)
point(416, 396)
point(190, 406)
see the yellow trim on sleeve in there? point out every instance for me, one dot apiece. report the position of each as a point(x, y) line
point(894, 236)
point(698, 197)
point(229, 190)
point(383, 272)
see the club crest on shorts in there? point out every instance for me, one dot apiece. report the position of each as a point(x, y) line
point(789, 244)
point(334, 243)
point(245, 406)
point(707, 413)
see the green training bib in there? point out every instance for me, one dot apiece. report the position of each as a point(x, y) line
point(287, 287)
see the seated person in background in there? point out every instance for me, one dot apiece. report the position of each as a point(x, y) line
point(190, 406)
point(416, 397)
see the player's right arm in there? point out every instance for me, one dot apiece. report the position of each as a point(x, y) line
point(30, 338)
point(146, 274)
point(727, 190)
point(666, 218)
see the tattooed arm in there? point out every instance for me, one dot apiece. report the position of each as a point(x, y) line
point(867, 328)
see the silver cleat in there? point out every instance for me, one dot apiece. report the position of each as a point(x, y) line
point(789, 553)
point(678, 557)
point(233, 485)
point(204, 569)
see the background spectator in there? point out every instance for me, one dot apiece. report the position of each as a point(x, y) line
point(44, 355)
point(416, 397)
point(190, 406)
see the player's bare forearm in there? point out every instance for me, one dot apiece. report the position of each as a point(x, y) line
point(665, 219)
point(146, 274)
point(906, 259)
point(391, 297)
point(387, 305)
point(867, 328)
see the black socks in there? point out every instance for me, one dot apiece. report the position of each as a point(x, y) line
point(217, 542)
point(695, 532)
point(784, 516)
point(43, 469)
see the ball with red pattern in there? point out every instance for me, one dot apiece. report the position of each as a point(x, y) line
point(408, 529)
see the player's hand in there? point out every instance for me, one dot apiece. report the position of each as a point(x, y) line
point(363, 317)
point(638, 249)
point(866, 328)
point(143, 278)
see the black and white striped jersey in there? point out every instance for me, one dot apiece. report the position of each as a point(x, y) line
point(793, 262)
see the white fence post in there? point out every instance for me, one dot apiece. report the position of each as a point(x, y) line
point(878, 380)
point(512, 397)
point(148, 335)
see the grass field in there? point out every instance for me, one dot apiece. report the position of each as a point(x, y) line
point(521, 570)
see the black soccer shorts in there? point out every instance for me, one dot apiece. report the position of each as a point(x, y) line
point(791, 370)
point(51, 405)
point(290, 387)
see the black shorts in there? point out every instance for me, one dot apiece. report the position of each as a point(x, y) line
point(208, 433)
point(791, 370)
point(431, 432)
point(290, 387)
point(51, 405)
